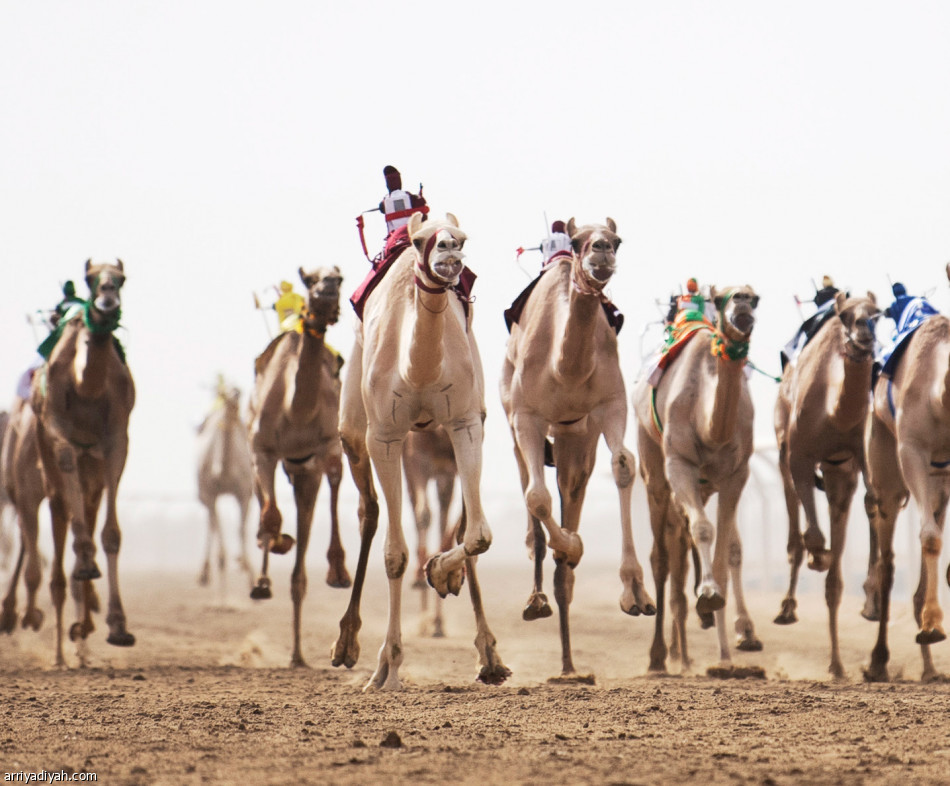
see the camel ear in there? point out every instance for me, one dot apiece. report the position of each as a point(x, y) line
point(89, 265)
point(415, 221)
point(451, 219)
point(571, 228)
point(118, 264)
point(611, 225)
point(872, 298)
point(948, 271)
point(303, 276)
point(840, 298)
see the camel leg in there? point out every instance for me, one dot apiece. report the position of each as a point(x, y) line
point(445, 490)
point(840, 484)
point(802, 471)
point(306, 485)
point(941, 492)
point(8, 609)
point(29, 533)
point(265, 466)
point(726, 538)
point(794, 548)
point(337, 574)
point(63, 473)
point(90, 471)
point(445, 571)
point(537, 606)
point(914, 462)
point(678, 551)
point(491, 669)
point(346, 649)
point(634, 599)
point(244, 561)
point(386, 452)
point(204, 577)
point(118, 636)
point(416, 483)
point(747, 641)
point(658, 505)
point(684, 482)
point(530, 434)
point(57, 579)
point(889, 495)
point(871, 610)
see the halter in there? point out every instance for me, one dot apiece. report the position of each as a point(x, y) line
point(722, 346)
point(583, 284)
point(303, 326)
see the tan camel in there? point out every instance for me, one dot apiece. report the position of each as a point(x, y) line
point(820, 416)
point(416, 366)
point(225, 468)
point(428, 456)
point(23, 482)
point(293, 420)
point(907, 443)
point(695, 439)
point(82, 399)
point(561, 379)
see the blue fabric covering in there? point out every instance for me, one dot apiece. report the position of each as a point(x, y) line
point(912, 313)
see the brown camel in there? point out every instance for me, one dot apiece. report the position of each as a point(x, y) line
point(907, 444)
point(416, 367)
point(820, 416)
point(23, 482)
point(82, 399)
point(428, 456)
point(225, 468)
point(561, 379)
point(695, 439)
point(294, 411)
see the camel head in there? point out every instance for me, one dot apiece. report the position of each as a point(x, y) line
point(595, 249)
point(438, 246)
point(736, 308)
point(105, 280)
point(323, 296)
point(859, 316)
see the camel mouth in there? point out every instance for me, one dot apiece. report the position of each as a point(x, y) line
point(447, 269)
point(744, 321)
point(106, 305)
point(600, 268)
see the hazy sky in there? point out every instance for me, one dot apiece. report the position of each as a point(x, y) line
point(217, 146)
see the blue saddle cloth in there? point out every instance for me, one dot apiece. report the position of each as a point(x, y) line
point(915, 313)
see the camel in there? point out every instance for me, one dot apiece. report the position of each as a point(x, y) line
point(7, 522)
point(907, 445)
point(820, 415)
point(695, 439)
point(416, 366)
point(82, 399)
point(428, 455)
point(24, 485)
point(293, 420)
point(225, 468)
point(561, 380)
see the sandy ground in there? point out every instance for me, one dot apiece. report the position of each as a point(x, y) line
point(206, 696)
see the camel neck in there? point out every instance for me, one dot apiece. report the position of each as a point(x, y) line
point(849, 406)
point(576, 356)
point(308, 381)
point(724, 414)
point(91, 365)
point(426, 348)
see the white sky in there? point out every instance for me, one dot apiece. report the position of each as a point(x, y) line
point(217, 146)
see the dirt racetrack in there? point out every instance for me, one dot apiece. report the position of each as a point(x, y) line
point(205, 696)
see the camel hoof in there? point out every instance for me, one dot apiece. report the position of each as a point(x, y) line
point(442, 581)
point(32, 619)
point(931, 636)
point(787, 615)
point(86, 572)
point(537, 608)
point(875, 673)
point(493, 675)
point(871, 612)
point(262, 590)
point(204, 578)
point(75, 632)
point(297, 662)
point(281, 544)
point(121, 639)
point(339, 580)
point(819, 560)
point(749, 643)
point(8, 622)
point(346, 651)
point(707, 604)
point(706, 620)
